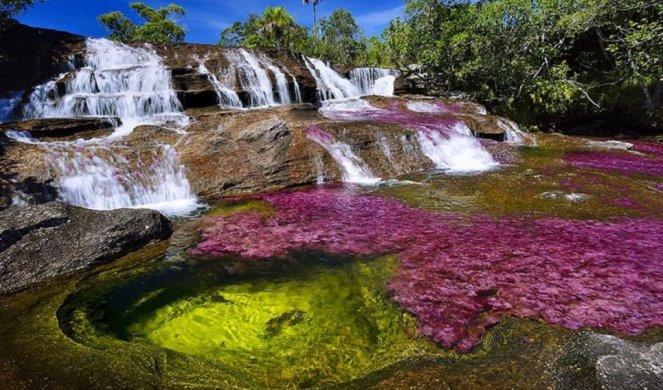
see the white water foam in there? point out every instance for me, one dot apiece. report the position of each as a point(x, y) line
point(354, 168)
point(132, 84)
point(450, 147)
point(455, 149)
point(226, 96)
point(427, 107)
point(374, 81)
point(253, 75)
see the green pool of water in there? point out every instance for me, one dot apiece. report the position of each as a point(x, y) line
point(305, 321)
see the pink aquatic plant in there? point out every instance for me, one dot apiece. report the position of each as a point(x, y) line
point(418, 121)
point(459, 274)
point(624, 162)
point(319, 134)
point(649, 147)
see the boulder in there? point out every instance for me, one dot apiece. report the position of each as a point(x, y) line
point(64, 127)
point(52, 239)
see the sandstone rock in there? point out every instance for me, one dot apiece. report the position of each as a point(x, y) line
point(64, 127)
point(44, 241)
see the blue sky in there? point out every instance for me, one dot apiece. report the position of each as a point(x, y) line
point(205, 18)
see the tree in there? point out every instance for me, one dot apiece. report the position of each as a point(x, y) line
point(274, 28)
point(236, 34)
point(315, 14)
point(160, 24)
point(340, 39)
point(530, 59)
point(10, 8)
point(277, 26)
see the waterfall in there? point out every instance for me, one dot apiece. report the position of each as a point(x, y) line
point(386, 150)
point(331, 86)
point(362, 82)
point(374, 81)
point(513, 134)
point(354, 168)
point(8, 104)
point(116, 81)
point(298, 92)
point(255, 80)
point(447, 142)
point(454, 148)
point(155, 181)
point(226, 96)
point(281, 80)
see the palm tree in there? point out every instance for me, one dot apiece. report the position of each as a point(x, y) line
point(315, 4)
point(277, 24)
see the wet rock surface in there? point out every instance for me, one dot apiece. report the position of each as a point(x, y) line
point(238, 152)
point(59, 128)
point(44, 241)
point(614, 363)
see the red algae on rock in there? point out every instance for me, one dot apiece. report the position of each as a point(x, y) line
point(648, 160)
point(459, 274)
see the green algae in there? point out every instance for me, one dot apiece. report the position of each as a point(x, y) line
point(77, 332)
point(308, 320)
point(327, 326)
point(241, 207)
point(537, 187)
point(38, 350)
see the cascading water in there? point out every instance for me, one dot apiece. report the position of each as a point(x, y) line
point(331, 86)
point(362, 82)
point(155, 181)
point(134, 85)
point(281, 80)
point(446, 142)
point(298, 92)
point(354, 168)
point(8, 104)
point(255, 80)
point(374, 81)
point(227, 97)
point(116, 81)
point(454, 148)
point(513, 134)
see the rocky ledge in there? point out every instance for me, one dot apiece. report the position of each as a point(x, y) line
point(63, 128)
point(48, 240)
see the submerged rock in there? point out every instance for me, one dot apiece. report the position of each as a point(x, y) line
point(615, 363)
point(44, 241)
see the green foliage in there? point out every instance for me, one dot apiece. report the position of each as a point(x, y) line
point(336, 38)
point(10, 8)
point(533, 58)
point(340, 39)
point(159, 24)
point(274, 28)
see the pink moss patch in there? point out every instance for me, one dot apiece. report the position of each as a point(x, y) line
point(650, 164)
point(460, 275)
point(421, 122)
